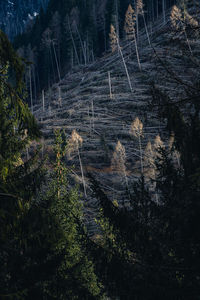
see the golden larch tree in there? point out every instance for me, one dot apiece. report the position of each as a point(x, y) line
point(118, 162)
point(149, 161)
point(130, 21)
point(113, 38)
point(129, 28)
point(74, 144)
point(137, 131)
point(158, 146)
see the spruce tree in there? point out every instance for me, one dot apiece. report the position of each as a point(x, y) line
point(75, 277)
point(42, 239)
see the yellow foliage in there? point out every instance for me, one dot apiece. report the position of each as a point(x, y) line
point(130, 21)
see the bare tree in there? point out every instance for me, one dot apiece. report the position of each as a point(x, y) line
point(163, 11)
point(140, 11)
point(93, 114)
point(117, 16)
point(68, 27)
point(82, 45)
point(110, 85)
point(56, 32)
point(114, 42)
point(43, 101)
point(59, 96)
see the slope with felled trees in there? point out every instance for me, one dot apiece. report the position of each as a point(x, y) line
point(97, 101)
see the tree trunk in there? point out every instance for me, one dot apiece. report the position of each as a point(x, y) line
point(110, 85)
point(43, 101)
point(146, 29)
point(137, 54)
point(127, 74)
point(82, 46)
point(31, 94)
point(73, 43)
point(141, 156)
point(163, 9)
point(56, 59)
point(83, 179)
point(188, 43)
point(93, 114)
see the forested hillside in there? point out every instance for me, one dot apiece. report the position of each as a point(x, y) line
point(19, 15)
point(99, 153)
point(74, 33)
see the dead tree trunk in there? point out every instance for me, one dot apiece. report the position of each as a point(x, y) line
point(56, 59)
point(43, 101)
point(127, 73)
point(73, 42)
point(82, 174)
point(163, 10)
point(82, 46)
point(146, 29)
point(137, 53)
point(110, 85)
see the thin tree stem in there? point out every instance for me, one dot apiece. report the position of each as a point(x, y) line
point(83, 179)
point(127, 74)
point(56, 61)
point(141, 158)
point(146, 29)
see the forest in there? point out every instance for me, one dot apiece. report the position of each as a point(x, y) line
point(99, 151)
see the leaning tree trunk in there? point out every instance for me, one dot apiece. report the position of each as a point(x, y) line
point(82, 174)
point(31, 93)
point(163, 11)
point(127, 73)
point(56, 59)
point(137, 53)
point(146, 29)
point(73, 42)
point(110, 85)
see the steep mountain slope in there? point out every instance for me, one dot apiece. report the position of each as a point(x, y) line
point(15, 15)
point(148, 246)
point(82, 101)
point(77, 32)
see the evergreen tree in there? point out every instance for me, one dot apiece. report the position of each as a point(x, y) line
point(154, 240)
point(42, 239)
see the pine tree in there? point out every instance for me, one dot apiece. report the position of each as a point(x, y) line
point(42, 237)
point(20, 182)
point(75, 277)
